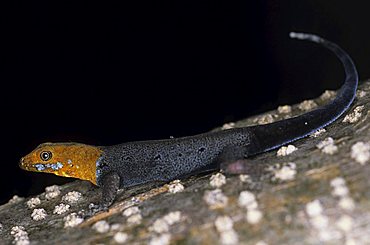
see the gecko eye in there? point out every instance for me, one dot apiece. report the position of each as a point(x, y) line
point(45, 155)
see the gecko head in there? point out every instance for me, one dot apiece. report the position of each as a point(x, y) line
point(64, 159)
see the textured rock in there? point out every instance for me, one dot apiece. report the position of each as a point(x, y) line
point(327, 201)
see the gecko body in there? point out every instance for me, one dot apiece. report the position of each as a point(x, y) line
point(135, 163)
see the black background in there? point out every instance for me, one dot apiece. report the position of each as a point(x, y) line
point(106, 73)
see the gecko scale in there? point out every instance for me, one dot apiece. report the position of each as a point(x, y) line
point(135, 163)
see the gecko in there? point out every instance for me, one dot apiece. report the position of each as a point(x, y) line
point(134, 163)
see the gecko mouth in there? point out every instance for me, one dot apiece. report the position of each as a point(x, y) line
point(39, 167)
point(46, 166)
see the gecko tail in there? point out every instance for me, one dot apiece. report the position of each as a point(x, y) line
point(270, 136)
point(351, 79)
point(306, 36)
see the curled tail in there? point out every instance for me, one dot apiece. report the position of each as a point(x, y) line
point(271, 136)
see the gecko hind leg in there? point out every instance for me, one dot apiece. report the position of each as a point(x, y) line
point(229, 156)
point(251, 167)
point(231, 153)
point(233, 160)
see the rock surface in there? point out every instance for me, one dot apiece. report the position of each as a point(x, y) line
point(318, 193)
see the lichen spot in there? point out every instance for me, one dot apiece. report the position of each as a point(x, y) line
point(64, 159)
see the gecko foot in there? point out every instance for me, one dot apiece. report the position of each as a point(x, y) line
point(95, 209)
point(243, 166)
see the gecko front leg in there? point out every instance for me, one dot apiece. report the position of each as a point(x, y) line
point(110, 183)
point(110, 186)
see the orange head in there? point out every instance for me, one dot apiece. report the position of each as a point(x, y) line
point(64, 159)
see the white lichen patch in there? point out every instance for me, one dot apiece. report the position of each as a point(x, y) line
point(327, 146)
point(217, 180)
point(341, 190)
point(15, 199)
point(101, 226)
point(159, 226)
point(355, 115)
point(52, 188)
point(224, 226)
point(284, 172)
point(261, 243)
point(134, 219)
point(245, 178)
point(247, 200)
point(215, 199)
point(307, 105)
point(115, 227)
point(61, 208)
point(172, 217)
point(131, 211)
point(284, 109)
point(330, 149)
point(38, 214)
point(20, 235)
point(328, 94)
point(339, 181)
point(254, 216)
point(33, 202)
point(228, 126)
point(133, 215)
point(318, 133)
point(325, 142)
point(345, 223)
point(229, 237)
point(175, 186)
point(351, 241)
point(162, 239)
point(328, 234)
point(18, 229)
point(360, 94)
point(361, 152)
point(264, 119)
point(120, 237)
point(72, 220)
point(347, 203)
point(52, 195)
point(23, 240)
point(223, 223)
point(286, 150)
point(320, 222)
point(52, 192)
point(162, 225)
point(72, 197)
point(314, 208)
point(339, 187)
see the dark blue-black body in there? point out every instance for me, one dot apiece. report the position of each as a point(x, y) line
point(136, 163)
point(165, 160)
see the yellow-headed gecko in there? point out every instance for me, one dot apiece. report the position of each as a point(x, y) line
point(135, 163)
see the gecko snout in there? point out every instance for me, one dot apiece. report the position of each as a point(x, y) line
point(22, 163)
